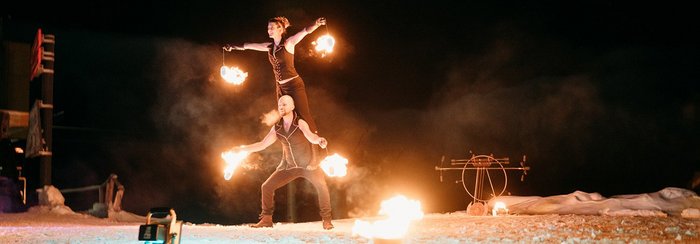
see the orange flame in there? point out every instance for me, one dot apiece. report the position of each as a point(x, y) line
point(324, 44)
point(335, 166)
point(233, 160)
point(400, 211)
point(233, 75)
point(499, 208)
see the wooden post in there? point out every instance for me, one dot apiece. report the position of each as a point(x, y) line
point(42, 64)
point(109, 190)
point(117, 205)
point(292, 201)
point(47, 110)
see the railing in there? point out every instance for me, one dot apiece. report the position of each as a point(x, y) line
point(108, 197)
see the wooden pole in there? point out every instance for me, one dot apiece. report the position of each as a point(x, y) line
point(47, 108)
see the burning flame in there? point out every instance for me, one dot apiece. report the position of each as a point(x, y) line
point(233, 75)
point(335, 166)
point(233, 160)
point(324, 44)
point(400, 211)
point(499, 208)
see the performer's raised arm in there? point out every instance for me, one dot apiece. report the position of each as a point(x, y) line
point(259, 146)
point(263, 46)
point(296, 38)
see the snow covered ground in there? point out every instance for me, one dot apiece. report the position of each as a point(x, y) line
point(621, 219)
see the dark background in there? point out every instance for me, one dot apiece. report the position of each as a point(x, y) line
point(601, 97)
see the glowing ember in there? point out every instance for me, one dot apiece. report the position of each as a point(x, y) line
point(335, 166)
point(399, 210)
point(233, 75)
point(233, 160)
point(499, 208)
point(324, 44)
point(19, 150)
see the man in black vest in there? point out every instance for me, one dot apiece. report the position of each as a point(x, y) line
point(298, 160)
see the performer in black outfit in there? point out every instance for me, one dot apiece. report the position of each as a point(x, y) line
point(297, 161)
point(281, 55)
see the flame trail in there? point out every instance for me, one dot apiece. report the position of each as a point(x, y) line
point(233, 160)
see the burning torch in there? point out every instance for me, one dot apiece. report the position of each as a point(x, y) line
point(233, 159)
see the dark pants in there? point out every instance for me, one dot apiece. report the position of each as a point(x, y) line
point(282, 177)
point(296, 89)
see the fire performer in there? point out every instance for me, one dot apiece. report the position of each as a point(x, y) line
point(280, 52)
point(297, 161)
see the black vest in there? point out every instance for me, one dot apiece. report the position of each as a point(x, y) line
point(282, 62)
point(296, 149)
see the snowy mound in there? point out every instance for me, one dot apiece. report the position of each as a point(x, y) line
point(60, 210)
point(668, 201)
point(52, 203)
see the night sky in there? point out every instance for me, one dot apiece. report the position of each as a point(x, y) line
point(600, 96)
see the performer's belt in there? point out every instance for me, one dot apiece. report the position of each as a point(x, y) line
point(286, 80)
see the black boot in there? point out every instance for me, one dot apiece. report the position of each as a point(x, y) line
point(327, 225)
point(265, 221)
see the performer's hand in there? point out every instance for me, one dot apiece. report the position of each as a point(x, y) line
point(322, 142)
point(321, 21)
point(237, 149)
point(229, 47)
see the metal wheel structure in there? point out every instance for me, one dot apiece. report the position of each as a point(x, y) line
point(482, 169)
point(483, 176)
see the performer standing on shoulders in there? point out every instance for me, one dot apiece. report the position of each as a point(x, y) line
point(281, 55)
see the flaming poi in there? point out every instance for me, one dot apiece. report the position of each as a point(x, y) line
point(324, 44)
point(233, 160)
point(233, 75)
point(335, 165)
point(400, 211)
